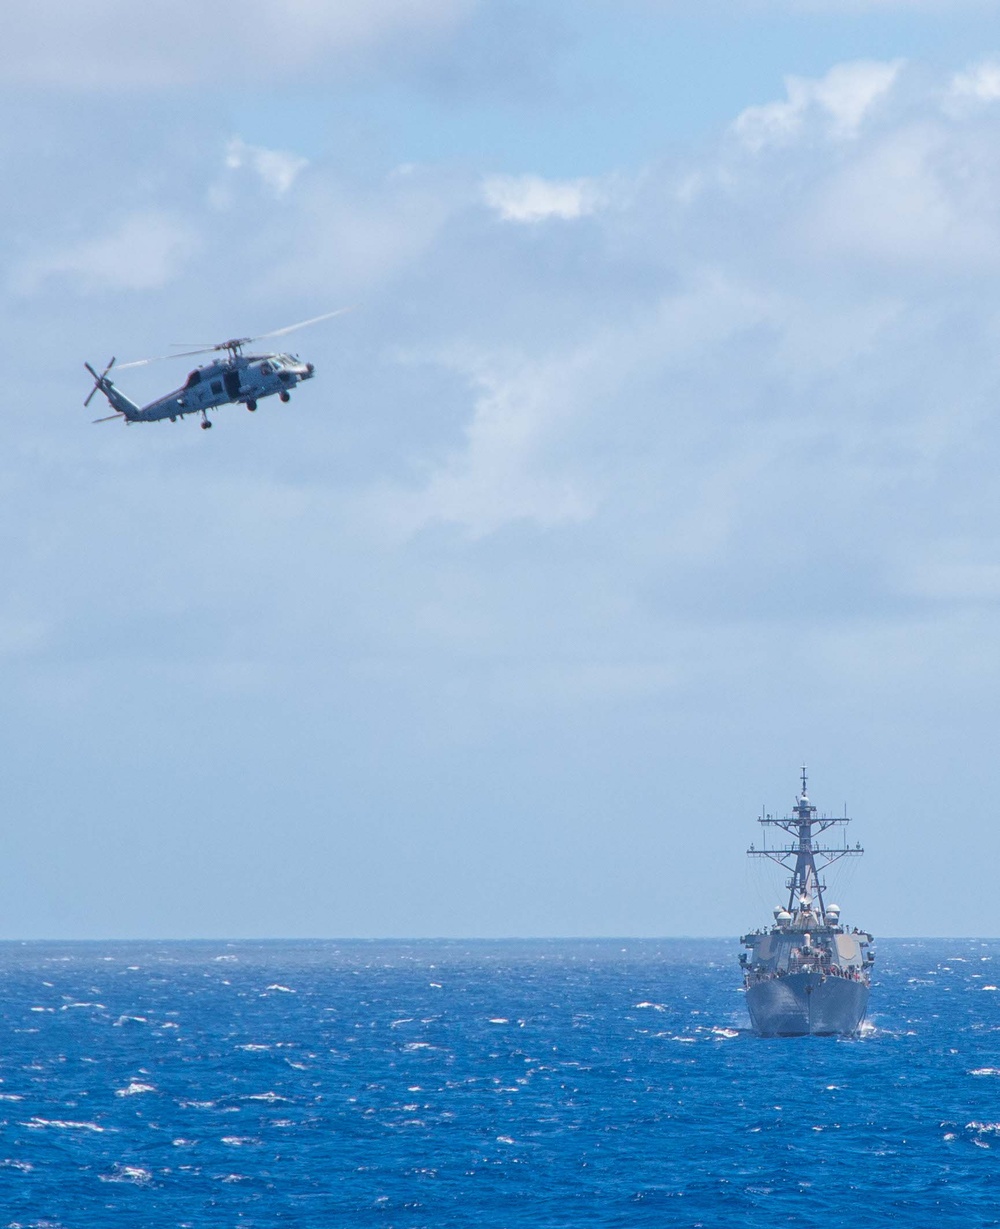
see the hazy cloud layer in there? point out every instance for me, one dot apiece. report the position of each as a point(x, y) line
point(114, 45)
point(615, 497)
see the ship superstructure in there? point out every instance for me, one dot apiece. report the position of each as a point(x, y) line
point(807, 973)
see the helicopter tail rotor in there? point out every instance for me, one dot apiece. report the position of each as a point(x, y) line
point(98, 380)
point(117, 400)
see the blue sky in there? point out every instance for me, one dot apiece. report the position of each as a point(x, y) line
point(659, 456)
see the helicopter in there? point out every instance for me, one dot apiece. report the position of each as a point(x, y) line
point(234, 379)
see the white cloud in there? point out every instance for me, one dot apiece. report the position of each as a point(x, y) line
point(532, 449)
point(144, 252)
point(976, 85)
point(501, 473)
point(840, 101)
point(914, 196)
point(530, 198)
point(276, 168)
point(354, 236)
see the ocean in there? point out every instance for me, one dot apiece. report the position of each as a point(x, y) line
point(501, 1084)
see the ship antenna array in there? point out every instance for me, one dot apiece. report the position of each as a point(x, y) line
point(804, 859)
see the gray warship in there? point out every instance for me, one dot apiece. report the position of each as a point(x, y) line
point(806, 974)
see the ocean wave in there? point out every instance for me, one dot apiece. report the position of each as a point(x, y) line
point(134, 1089)
point(135, 1174)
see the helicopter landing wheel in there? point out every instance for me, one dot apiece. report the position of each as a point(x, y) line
point(251, 406)
point(205, 425)
point(284, 396)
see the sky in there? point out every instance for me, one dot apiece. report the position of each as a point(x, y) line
point(658, 457)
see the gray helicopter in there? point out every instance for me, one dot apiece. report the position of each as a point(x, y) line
point(237, 378)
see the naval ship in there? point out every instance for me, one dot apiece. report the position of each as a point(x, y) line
point(806, 974)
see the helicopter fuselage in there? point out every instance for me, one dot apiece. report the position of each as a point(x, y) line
point(240, 378)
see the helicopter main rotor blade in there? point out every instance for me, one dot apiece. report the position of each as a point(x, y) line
point(243, 341)
point(160, 358)
point(234, 343)
point(290, 328)
point(110, 418)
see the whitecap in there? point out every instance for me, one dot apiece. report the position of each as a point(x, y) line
point(283, 989)
point(63, 1125)
point(985, 1071)
point(499, 1020)
point(270, 1097)
point(654, 1006)
point(128, 1173)
point(134, 1089)
point(130, 1020)
point(239, 1141)
point(504, 1139)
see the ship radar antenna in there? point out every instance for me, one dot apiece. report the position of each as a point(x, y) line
point(804, 779)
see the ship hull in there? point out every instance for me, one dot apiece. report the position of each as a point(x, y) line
point(807, 1004)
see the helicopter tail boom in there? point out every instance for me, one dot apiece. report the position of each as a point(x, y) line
point(118, 401)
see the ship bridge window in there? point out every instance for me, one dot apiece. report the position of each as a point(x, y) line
point(193, 379)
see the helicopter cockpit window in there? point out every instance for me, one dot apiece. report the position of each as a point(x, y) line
point(216, 386)
point(193, 379)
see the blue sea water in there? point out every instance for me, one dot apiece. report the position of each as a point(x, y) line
point(543, 1083)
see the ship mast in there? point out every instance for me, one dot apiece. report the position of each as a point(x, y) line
point(805, 887)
